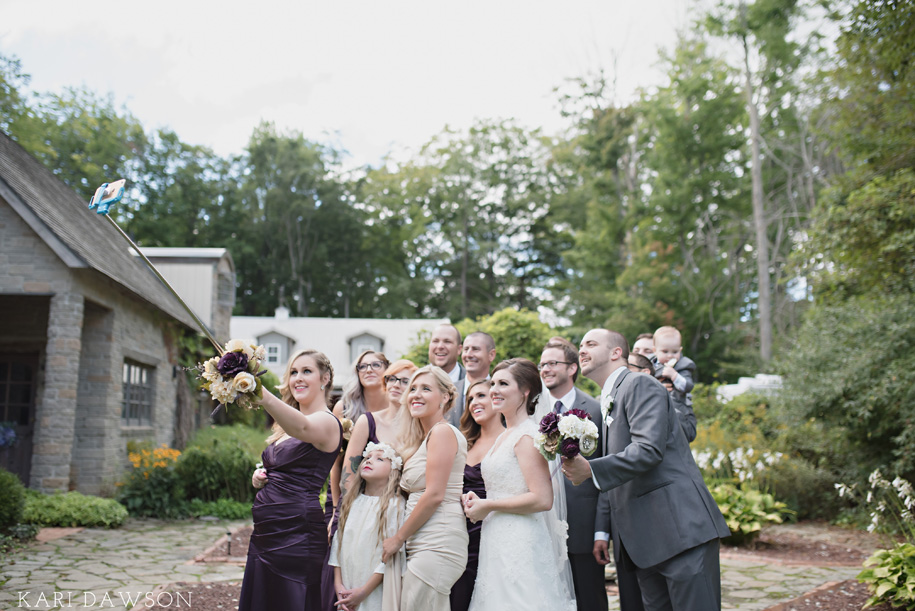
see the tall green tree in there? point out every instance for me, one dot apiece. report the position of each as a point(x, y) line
point(14, 107)
point(183, 195)
point(599, 162)
point(665, 236)
point(80, 136)
point(688, 243)
point(851, 366)
point(308, 248)
point(85, 140)
point(862, 241)
point(784, 171)
point(479, 208)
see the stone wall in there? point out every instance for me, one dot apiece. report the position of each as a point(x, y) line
point(92, 325)
point(95, 449)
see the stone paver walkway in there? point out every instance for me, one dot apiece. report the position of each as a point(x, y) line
point(80, 569)
point(753, 585)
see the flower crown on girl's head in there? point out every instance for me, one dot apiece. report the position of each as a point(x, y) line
point(386, 452)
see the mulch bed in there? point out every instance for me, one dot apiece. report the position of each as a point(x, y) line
point(787, 547)
point(202, 596)
point(844, 596)
point(229, 549)
point(818, 544)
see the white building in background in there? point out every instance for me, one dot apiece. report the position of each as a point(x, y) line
point(761, 383)
point(341, 339)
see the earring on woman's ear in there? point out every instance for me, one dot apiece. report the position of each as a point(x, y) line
point(322, 387)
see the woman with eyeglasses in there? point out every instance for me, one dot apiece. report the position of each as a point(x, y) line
point(378, 425)
point(363, 393)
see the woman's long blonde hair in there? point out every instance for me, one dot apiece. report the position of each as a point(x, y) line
point(392, 491)
point(354, 394)
point(324, 367)
point(411, 430)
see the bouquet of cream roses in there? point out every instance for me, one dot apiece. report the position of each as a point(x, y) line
point(234, 377)
point(567, 434)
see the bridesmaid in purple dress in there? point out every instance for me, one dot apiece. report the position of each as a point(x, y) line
point(481, 425)
point(289, 545)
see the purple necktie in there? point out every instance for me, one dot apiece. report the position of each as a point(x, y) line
point(557, 409)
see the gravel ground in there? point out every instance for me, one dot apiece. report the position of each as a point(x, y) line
point(811, 543)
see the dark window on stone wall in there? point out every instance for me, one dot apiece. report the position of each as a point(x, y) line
point(137, 404)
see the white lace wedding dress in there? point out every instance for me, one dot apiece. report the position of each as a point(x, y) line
point(521, 562)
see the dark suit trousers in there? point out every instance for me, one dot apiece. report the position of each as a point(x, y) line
point(588, 577)
point(690, 581)
point(627, 581)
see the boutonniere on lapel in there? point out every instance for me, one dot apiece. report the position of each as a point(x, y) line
point(606, 406)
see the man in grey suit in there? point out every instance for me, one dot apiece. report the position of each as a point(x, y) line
point(478, 351)
point(559, 370)
point(666, 526)
point(444, 350)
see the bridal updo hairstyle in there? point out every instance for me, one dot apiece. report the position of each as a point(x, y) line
point(526, 376)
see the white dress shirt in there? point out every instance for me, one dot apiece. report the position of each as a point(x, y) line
point(568, 400)
point(604, 396)
point(455, 374)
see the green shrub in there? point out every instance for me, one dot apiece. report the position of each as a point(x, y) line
point(221, 471)
point(19, 535)
point(12, 499)
point(223, 508)
point(252, 418)
point(808, 490)
point(842, 375)
point(153, 487)
point(747, 511)
point(73, 509)
point(251, 440)
point(890, 575)
point(24, 532)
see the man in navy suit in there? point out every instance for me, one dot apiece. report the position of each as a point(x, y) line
point(666, 525)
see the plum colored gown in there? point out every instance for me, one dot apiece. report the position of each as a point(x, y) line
point(463, 589)
point(288, 549)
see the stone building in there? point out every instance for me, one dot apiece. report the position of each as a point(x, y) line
point(88, 338)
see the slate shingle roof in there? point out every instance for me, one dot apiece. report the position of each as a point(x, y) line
point(78, 235)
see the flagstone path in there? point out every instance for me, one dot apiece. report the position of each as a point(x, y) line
point(81, 568)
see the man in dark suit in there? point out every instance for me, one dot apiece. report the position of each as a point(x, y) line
point(666, 526)
point(559, 370)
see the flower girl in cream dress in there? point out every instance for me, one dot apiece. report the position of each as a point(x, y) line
point(370, 511)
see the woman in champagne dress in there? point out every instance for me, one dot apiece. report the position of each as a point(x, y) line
point(433, 477)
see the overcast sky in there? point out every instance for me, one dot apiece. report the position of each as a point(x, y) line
point(369, 77)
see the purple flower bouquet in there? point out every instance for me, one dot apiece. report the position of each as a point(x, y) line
point(234, 377)
point(567, 435)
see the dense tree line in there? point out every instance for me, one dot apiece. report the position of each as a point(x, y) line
point(759, 178)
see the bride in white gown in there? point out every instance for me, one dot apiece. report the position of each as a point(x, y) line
point(523, 561)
